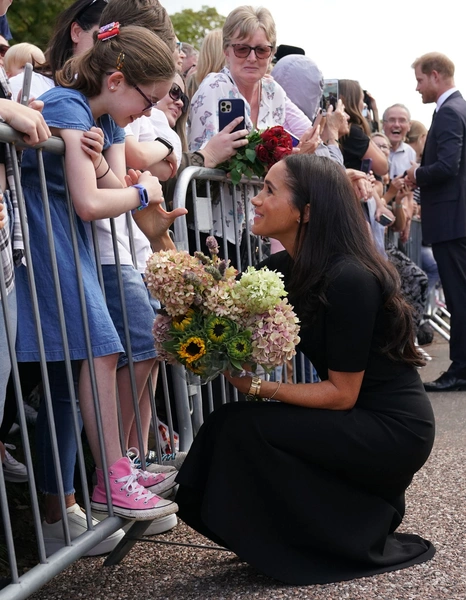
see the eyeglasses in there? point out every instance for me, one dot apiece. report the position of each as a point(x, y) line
point(176, 93)
point(393, 121)
point(243, 50)
point(86, 8)
point(3, 49)
point(150, 104)
point(179, 46)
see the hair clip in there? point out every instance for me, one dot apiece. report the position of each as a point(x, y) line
point(120, 60)
point(108, 31)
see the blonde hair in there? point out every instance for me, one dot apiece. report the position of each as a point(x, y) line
point(416, 130)
point(244, 21)
point(211, 59)
point(19, 54)
point(140, 55)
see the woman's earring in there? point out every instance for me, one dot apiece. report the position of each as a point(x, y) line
point(298, 220)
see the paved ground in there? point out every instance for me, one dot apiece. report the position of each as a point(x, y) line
point(436, 504)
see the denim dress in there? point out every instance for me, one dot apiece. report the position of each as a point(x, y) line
point(63, 109)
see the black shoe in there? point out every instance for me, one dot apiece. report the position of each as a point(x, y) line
point(447, 382)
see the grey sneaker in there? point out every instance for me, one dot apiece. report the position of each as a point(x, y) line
point(12, 469)
point(172, 460)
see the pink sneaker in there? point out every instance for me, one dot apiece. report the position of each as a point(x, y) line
point(157, 483)
point(130, 499)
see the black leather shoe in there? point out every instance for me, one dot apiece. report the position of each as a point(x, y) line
point(447, 382)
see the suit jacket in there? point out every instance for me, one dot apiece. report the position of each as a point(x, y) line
point(442, 174)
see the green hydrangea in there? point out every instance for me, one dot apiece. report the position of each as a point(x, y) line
point(260, 290)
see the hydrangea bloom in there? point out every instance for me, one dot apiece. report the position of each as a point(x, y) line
point(260, 290)
point(213, 322)
point(275, 335)
point(175, 278)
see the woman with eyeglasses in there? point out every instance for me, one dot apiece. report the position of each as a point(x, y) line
point(116, 79)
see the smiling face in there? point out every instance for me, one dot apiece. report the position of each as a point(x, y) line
point(126, 103)
point(275, 215)
point(249, 70)
point(396, 125)
point(172, 108)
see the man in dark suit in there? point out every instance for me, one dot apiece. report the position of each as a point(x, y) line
point(441, 178)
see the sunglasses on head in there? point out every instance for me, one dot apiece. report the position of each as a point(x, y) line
point(244, 50)
point(176, 93)
point(4, 49)
point(86, 8)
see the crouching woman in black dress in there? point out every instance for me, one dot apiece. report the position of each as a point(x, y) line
point(311, 489)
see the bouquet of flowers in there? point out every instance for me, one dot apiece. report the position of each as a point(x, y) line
point(212, 322)
point(263, 150)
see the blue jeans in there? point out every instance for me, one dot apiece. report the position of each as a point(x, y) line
point(5, 361)
point(429, 266)
point(66, 439)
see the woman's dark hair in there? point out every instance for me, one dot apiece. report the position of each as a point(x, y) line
point(350, 93)
point(336, 230)
point(136, 52)
point(84, 12)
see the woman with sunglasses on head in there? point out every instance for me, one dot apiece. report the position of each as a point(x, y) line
point(107, 85)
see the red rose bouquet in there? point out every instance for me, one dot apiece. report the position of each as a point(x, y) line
point(264, 149)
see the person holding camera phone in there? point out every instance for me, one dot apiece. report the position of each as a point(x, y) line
point(249, 40)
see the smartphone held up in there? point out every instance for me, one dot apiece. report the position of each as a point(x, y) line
point(228, 110)
point(330, 94)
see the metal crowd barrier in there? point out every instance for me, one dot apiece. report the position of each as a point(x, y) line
point(13, 583)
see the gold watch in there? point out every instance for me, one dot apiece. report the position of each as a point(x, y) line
point(254, 389)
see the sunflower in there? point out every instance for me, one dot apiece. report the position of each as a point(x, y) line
point(182, 322)
point(219, 329)
point(239, 348)
point(192, 349)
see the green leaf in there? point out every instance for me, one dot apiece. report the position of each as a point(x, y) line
point(250, 154)
point(235, 177)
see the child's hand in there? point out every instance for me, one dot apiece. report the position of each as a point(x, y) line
point(92, 142)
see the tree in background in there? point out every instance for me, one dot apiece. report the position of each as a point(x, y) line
point(191, 26)
point(32, 21)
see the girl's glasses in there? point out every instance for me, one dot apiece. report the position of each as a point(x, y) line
point(150, 104)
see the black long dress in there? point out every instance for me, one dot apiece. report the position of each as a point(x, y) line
point(309, 495)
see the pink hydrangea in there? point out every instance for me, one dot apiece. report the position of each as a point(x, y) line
point(275, 335)
point(175, 279)
point(161, 333)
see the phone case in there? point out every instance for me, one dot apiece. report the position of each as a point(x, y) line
point(228, 110)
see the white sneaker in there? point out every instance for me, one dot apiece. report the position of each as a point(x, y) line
point(157, 526)
point(12, 469)
point(54, 538)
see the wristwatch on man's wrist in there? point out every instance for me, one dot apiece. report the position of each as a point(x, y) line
point(165, 143)
point(254, 389)
point(143, 196)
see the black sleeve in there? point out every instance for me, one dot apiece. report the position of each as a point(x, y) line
point(354, 298)
point(353, 147)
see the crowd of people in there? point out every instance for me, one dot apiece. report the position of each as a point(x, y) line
point(309, 488)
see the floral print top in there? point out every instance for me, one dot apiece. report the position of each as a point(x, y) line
point(203, 124)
